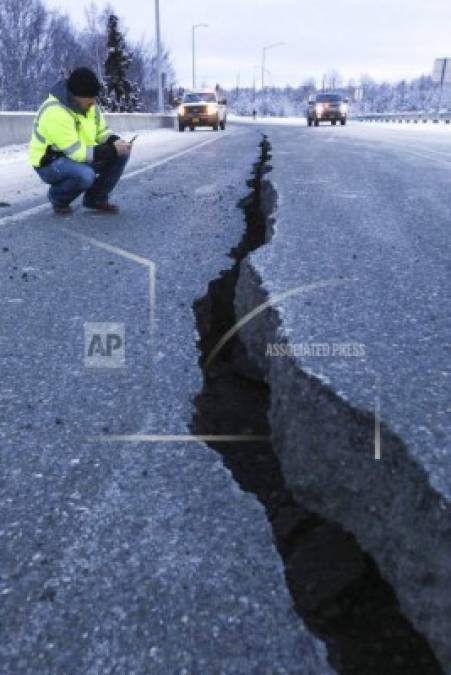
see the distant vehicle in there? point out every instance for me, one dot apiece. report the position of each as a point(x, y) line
point(202, 108)
point(327, 107)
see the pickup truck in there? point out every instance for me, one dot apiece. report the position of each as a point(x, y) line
point(202, 108)
point(327, 107)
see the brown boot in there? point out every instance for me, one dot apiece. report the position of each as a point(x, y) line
point(102, 207)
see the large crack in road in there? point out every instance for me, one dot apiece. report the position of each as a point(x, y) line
point(336, 588)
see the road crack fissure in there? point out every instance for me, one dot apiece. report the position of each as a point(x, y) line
point(335, 586)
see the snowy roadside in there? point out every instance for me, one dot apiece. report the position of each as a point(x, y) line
point(154, 139)
point(13, 153)
point(20, 186)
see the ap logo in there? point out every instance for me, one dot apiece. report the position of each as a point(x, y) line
point(104, 345)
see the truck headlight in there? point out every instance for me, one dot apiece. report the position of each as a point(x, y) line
point(343, 108)
point(212, 108)
point(319, 109)
point(181, 110)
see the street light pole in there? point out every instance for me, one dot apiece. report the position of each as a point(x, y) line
point(158, 41)
point(276, 44)
point(197, 25)
point(442, 82)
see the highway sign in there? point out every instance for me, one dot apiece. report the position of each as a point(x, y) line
point(442, 71)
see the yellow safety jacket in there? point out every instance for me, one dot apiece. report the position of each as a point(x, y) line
point(61, 125)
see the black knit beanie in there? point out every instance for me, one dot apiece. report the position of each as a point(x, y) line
point(83, 82)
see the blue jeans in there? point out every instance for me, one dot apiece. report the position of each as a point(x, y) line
point(68, 179)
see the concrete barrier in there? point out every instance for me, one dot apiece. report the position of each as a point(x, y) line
point(15, 127)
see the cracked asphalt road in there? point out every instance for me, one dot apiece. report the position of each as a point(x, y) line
point(120, 557)
point(146, 557)
point(361, 425)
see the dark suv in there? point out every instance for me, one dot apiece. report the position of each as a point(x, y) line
point(325, 107)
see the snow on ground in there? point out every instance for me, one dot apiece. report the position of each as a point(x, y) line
point(440, 128)
point(154, 140)
point(290, 121)
point(21, 187)
point(13, 153)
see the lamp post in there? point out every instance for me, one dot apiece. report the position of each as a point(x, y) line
point(197, 25)
point(265, 49)
point(158, 41)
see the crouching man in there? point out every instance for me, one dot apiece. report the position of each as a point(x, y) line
point(73, 150)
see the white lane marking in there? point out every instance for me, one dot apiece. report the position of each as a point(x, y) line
point(112, 249)
point(22, 215)
point(145, 262)
point(169, 159)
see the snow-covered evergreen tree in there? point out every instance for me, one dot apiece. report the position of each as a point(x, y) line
point(121, 94)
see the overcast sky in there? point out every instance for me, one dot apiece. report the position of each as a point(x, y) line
point(387, 39)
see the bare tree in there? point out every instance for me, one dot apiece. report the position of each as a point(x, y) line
point(143, 70)
point(332, 80)
point(23, 36)
point(36, 46)
point(94, 37)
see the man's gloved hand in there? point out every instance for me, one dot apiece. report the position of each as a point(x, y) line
point(113, 147)
point(122, 147)
point(104, 152)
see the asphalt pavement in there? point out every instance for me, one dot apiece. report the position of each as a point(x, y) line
point(117, 555)
point(355, 344)
point(126, 554)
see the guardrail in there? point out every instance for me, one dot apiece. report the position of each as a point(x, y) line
point(408, 118)
point(15, 127)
